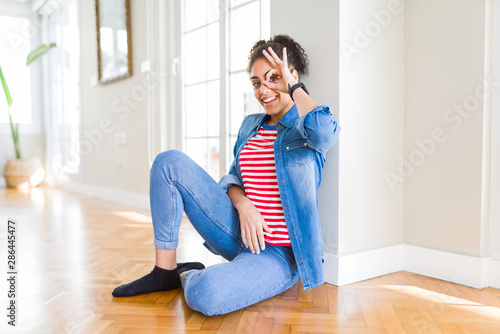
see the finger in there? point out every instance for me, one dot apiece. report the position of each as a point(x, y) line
point(266, 228)
point(256, 245)
point(249, 241)
point(255, 242)
point(248, 235)
point(275, 56)
point(270, 85)
point(285, 57)
point(269, 58)
point(270, 73)
point(261, 240)
point(244, 238)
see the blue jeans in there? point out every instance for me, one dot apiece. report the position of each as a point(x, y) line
point(178, 184)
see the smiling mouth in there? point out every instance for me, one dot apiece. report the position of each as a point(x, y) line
point(269, 100)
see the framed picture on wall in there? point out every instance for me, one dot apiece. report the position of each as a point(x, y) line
point(113, 40)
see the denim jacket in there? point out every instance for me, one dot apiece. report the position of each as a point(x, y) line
point(300, 155)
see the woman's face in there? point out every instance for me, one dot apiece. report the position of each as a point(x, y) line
point(275, 103)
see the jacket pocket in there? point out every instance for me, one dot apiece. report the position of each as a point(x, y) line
point(297, 153)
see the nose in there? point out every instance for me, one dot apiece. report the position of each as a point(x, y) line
point(263, 89)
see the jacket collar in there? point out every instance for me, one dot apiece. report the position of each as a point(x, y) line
point(287, 120)
point(290, 117)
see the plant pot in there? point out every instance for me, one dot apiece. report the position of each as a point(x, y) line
point(24, 173)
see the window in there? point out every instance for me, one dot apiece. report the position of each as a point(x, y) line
point(15, 45)
point(63, 129)
point(217, 37)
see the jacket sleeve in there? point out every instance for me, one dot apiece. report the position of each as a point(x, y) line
point(232, 177)
point(319, 128)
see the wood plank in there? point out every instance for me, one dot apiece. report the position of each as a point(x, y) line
point(212, 323)
point(448, 328)
point(352, 307)
point(247, 323)
point(320, 297)
point(281, 329)
point(264, 325)
point(390, 319)
point(370, 314)
point(305, 296)
point(230, 322)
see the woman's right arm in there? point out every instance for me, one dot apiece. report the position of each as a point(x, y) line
point(252, 223)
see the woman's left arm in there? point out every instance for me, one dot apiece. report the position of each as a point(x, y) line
point(303, 101)
point(317, 124)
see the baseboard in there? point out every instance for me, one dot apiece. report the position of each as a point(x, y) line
point(495, 274)
point(331, 269)
point(457, 268)
point(451, 267)
point(357, 267)
point(118, 196)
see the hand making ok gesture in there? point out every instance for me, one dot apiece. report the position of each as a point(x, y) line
point(281, 72)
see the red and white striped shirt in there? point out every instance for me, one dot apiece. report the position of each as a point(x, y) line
point(258, 171)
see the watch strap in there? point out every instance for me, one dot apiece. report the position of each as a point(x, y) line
point(291, 89)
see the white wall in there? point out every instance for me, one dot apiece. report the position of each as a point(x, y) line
point(371, 116)
point(123, 103)
point(365, 93)
point(444, 61)
point(16, 8)
point(494, 242)
point(315, 28)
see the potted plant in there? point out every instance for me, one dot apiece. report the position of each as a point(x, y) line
point(21, 172)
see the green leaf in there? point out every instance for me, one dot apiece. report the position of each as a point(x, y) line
point(5, 88)
point(38, 52)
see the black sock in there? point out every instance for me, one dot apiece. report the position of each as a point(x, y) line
point(158, 280)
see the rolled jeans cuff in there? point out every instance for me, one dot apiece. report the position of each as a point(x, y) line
point(165, 244)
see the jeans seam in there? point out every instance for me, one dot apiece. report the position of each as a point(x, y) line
point(207, 213)
point(174, 210)
point(171, 223)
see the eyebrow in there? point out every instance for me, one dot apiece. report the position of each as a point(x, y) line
point(265, 74)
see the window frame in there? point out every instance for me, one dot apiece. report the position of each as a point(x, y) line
point(47, 12)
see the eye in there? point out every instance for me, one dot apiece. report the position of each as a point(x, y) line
point(255, 84)
point(273, 78)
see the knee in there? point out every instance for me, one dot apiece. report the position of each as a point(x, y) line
point(203, 298)
point(169, 157)
point(166, 160)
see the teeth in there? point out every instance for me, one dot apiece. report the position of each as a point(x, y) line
point(269, 99)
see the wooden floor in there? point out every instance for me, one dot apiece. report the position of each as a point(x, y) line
point(73, 250)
